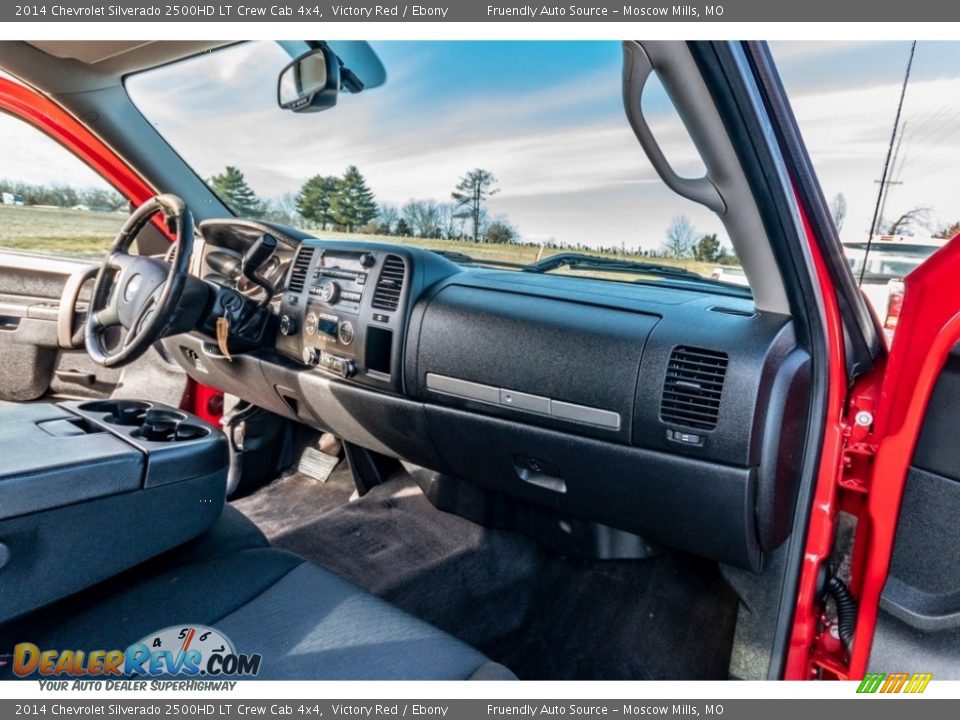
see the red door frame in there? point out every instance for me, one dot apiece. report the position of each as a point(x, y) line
point(40, 111)
point(869, 439)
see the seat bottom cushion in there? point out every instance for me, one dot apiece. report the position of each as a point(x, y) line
point(312, 624)
point(305, 622)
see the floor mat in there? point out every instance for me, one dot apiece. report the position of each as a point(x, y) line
point(393, 543)
point(543, 616)
point(295, 500)
point(667, 617)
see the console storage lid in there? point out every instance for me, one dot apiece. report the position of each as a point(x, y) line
point(89, 490)
point(51, 459)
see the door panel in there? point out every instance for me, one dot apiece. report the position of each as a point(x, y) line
point(39, 330)
point(919, 622)
point(42, 309)
point(64, 193)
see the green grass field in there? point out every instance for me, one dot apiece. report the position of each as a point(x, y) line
point(88, 234)
point(58, 231)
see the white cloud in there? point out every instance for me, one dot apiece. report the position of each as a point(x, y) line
point(567, 169)
point(848, 132)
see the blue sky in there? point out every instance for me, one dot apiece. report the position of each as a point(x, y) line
point(546, 118)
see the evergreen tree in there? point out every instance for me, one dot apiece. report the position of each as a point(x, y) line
point(315, 199)
point(353, 204)
point(402, 229)
point(231, 187)
point(708, 249)
point(471, 193)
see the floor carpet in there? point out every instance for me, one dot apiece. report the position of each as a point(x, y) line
point(542, 615)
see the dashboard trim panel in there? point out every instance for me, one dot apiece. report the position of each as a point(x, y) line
point(523, 402)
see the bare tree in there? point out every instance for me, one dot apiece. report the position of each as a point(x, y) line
point(387, 216)
point(680, 238)
point(838, 210)
point(449, 222)
point(423, 216)
point(912, 222)
point(949, 231)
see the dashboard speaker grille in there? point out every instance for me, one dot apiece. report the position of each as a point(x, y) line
point(298, 277)
point(692, 389)
point(386, 296)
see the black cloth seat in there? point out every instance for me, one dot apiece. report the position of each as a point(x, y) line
point(305, 621)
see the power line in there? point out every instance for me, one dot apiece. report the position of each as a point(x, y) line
point(881, 193)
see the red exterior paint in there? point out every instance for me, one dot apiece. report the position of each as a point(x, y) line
point(823, 513)
point(47, 116)
point(863, 469)
point(205, 402)
point(928, 328)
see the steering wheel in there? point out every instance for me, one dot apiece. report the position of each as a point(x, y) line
point(139, 293)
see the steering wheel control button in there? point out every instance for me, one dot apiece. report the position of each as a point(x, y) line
point(346, 332)
point(288, 326)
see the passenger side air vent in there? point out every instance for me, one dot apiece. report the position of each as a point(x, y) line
point(298, 277)
point(691, 392)
point(386, 296)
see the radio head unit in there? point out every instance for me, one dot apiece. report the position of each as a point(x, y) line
point(343, 310)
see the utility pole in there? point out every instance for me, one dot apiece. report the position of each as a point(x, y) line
point(885, 184)
point(886, 164)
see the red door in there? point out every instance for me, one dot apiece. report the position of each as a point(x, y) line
point(43, 113)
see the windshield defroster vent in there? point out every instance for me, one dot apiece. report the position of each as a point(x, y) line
point(298, 277)
point(386, 296)
point(692, 389)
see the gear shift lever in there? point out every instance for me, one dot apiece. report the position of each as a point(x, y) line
point(254, 258)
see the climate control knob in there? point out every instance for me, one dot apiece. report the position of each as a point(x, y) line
point(346, 333)
point(288, 326)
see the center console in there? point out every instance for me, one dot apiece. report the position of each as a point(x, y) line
point(90, 489)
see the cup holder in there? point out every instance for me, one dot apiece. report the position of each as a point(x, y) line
point(153, 424)
point(119, 412)
point(169, 426)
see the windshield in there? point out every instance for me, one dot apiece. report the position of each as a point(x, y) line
point(502, 153)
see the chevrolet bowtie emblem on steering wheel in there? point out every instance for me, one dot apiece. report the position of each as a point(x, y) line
point(133, 286)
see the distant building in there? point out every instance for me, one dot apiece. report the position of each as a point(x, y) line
point(12, 199)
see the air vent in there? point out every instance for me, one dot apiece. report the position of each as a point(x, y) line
point(691, 392)
point(298, 277)
point(386, 296)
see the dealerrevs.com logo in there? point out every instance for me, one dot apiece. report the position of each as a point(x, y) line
point(193, 651)
point(889, 683)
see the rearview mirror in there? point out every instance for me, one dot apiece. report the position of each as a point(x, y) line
point(310, 83)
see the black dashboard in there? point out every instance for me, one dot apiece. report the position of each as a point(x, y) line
point(676, 415)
